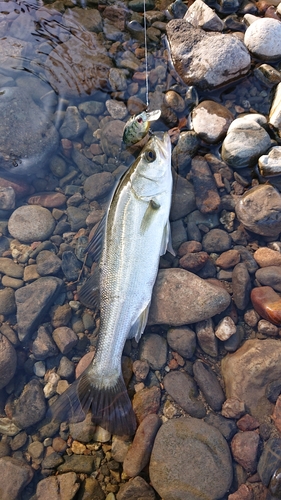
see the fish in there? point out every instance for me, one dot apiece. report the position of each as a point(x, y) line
point(128, 244)
point(138, 126)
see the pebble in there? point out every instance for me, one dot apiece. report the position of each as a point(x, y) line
point(62, 487)
point(183, 199)
point(201, 15)
point(174, 288)
point(81, 464)
point(225, 329)
point(139, 453)
point(7, 198)
point(47, 200)
point(43, 345)
point(262, 39)
point(65, 339)
point(30, 407)
point(83, 431)
point(194, 261)
point(153, 349)
point(185, 149)
point(182, 388)
point(216, 241)
point(11, 468)
point(247, 423)
point(233, 408)
point(12, 282)
point(36, 449)
point(66, 368)
point(209, 385)
point(228, 259)
point(60, 315)
point(257, 360)
point(269, 164)
point(243, 493)
point(90, 488)
point(182, 340)
point(170, 475)
point(225, 425)
point(267, 303)
point(140, 369)
point(7, 301)
point(267, 328)
point(276, 416)
point(206, 337)
point(210, 119)
point(33, 301)
point(98, 185)
point(136, 488)
point(241, 286)
point(146, 401)
point(244, 447)
point(70, 265)
point(267, 257)
point(270, 459)
point(30, 223)
point(120, 447)
point(47, 263)
point(206, 194)
point(270, 276)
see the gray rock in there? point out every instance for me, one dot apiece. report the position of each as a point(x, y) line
point(210, 119)
point(10, 268)
point(73, 124)
point(153, 349)
point(216, 240)
point(246, 141)
point(71, 266)
point(81, 464)
point(65, 339)
point(182, 340)
point(62, 487)
point(98, 185)
point(174, 288)
point(262, 39)
point(7, 198)
point(178, 233)
point(8, 361)
point(183, 200)
point(15, 475)
point(30, 407)
point(43, 345)
point(249, 370)
point(206, 337)
point(195, 55)
point(7, 301)
point(28, 146)
point(202, 16)
point(270, 460)
point(184, 150)
point(209, 385)
point(225, 425)
point(86, 166)
point(269, 164)
point(77, 218)
point(241, 286)
point(270, 276)
point(30, 223)
point(47, 263)
point(173, 477)
point(137, 488)
point(66, 368)
point(206, 193)
point(32, 303)
point(83, 431)
point(259, 210)
point(184, 391)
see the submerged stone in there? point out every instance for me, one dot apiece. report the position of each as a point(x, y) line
point(267, 303)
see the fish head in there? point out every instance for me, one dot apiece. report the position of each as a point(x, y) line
point(155, 158)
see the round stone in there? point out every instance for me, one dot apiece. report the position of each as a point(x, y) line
point(173, 477)
point(31, 223)
point(263, 38)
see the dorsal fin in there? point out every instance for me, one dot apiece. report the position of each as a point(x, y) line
point(89, 293)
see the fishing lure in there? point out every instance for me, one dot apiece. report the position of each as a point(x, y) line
point(138, 126)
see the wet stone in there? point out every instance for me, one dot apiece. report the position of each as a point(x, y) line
point(225, 425)
point(267, 257)
point(52, 461)
point(241, 286)
point(33, 301)
point(62, 487)
point(47, 263)
point(36, 449)
point(7, 198)
point(243, 493)
point(86, 166)
point(209, 385)
point(193, 261)
point(47, 200)
point(30, 223)
point(146, 401)
point(247, 258)
point(270, 460)
point(136, 488)
point(66, 368)
point(8, 361)
point(275, 484)
point(270, 276)
point(233, 408)
point(98, 185)
point(170, 475)
point(12, 282)
point(184, 150)
point(216, 241)
point(244, 447)
point(76, 218)
point(267, 328)
point(83, 431)
point(247, 423)
point(153, 349)
point(140, 369)
point(81, 464)
point(73, 125)
point(182, 388)
point(7, 301)
point(228, 259)
point(30, 407)
point(273, 390)
point(15, 475)
point(183, 199)
point(43, 345)
point(267, 303)
point(182, 340)
point(65, 339)
point(206, 337)
point(206, 194)
point(90, 488)
point(210, 119)
point(70, 265)
point(60, 315)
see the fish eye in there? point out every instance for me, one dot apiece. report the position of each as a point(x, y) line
point(139, 119)
point(150, 155)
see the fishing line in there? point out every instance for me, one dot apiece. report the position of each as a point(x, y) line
point(145, 52)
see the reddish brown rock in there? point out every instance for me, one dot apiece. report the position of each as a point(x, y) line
point(267, 257)
point(243, 493)
point(206, 194)
point(84, 363)
point(193, 261)
point(233, 408)
point(267, 303)
point(47, 200)
point(21, 188)
point(244, 447)
point(276, 416)
point(247, 423)
point(189, 247)
point(146, 401)
point(228, 259)
point(139, 452)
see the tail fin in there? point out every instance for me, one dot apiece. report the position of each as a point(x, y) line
point(111, 406)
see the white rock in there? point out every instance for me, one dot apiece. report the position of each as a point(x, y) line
point(270, 164)
point(275, 110)
point(263, 38)
point(225, 329)
point(201, 15)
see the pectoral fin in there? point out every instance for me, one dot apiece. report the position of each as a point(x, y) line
point(167, 241)
point(152, 208)
point(138, 327)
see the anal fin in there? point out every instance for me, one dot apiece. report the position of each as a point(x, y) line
point(138, 327)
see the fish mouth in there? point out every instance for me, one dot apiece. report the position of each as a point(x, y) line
point(163, 142)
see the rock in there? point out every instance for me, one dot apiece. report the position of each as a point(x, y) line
point(30, 223)
point(140, 369)
point(90, 19)
point(146, 401)
point(270, 276)
point(174, 288)
point(178, 233)
point(267, 328)
point(209, 385)
point(90, 489)
point(32, 303)
point(28, 148)
point(60, 315)
point(76, 217)
point(270, 460)
point(182, 340)
point(241, 286)
point(48, 263)
point(183, 390)
point(73, 124)
point(276, 416)
point(78, 66)
point(202, 16)
point(7, 301)
point(233, 408)
point(70, 265)
point(7, 198)
point(135, 488)
point(225, 425)
point(267, 303)
point(81, 464)
point(83, 431)
point(206, 337)
point(98, 185)
point(62, 487)
point(267, 257)
point(210, 119)
point(185, 149)
point(153, 349)
point(47, 200)
point(8, 361)
point(43, 345)
point(30, 407)
point(244, 447)
point(243, 493)
point(139, 453)
point(228, 259)
point(225, 329)
point(249, 370)
point(247, 423)
point(190, 45)
point(262, 39)
point(36, 449)
point(52, 461)
point(246, 141)
point(275, 116)
point(206, 194)
point(183, 199)
point(86, 166)
point(173, 477)
point(269, 164)
point(15, 475)
point(259, 210)
point(65, 339)
point(111, 137)
point(10, 268)
point(216, 240)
